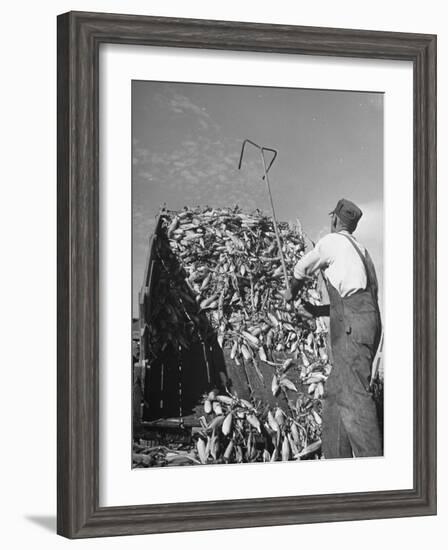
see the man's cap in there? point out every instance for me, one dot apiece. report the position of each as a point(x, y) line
point(347, 212)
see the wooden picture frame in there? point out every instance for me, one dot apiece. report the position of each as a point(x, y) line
point(79, 37)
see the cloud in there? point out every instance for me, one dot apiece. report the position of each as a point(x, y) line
point(176, 104)
point(183, 104)
point(202, 169)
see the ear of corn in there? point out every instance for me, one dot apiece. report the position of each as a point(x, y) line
point(254, 422)
point(287, 363)
point(253, 340)
point(310, 449)
point(247, 404)
point(286, 383)
point(292, 444)
point(279, 416)
point(295, 433)
point(234, 350)
point(201, 448)
point(225, 399)
point(317, 417)
point(227, 424)
point(229, 449)
point(272, 422)
point(275, 386)
point(286, 451)
point(214, 447)
point(216, 422)
point(246, 352)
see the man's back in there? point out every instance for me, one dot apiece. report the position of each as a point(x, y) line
point(337, 256)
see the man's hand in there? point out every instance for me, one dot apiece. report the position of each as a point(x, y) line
point(295, 286)
point(303, 312)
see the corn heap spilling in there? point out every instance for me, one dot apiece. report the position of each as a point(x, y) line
point(222, 269)
point(235, 430)
point(221, 277)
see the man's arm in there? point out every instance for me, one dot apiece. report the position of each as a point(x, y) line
point(308, 265)
point(317, 311)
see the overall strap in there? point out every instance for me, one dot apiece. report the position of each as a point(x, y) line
point(364, 262)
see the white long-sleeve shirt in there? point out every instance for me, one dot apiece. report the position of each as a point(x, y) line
point(342, 265)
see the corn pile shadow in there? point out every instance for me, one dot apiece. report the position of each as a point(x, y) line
point(184, 355)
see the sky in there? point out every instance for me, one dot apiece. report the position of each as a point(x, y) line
point(187, 138)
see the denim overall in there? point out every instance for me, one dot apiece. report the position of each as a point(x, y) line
point(350, 421)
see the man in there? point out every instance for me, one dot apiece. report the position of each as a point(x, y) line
point(350, 423)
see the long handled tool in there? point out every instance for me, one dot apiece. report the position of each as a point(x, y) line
point(266, 178)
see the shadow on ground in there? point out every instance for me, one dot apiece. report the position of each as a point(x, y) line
point(46, 522)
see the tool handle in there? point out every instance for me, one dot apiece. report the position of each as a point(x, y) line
point(265, 177)
point(274, 220)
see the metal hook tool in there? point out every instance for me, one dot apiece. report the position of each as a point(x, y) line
point(266, 178)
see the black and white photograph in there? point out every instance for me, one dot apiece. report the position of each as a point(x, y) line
point(257, 246)
point(222, 232)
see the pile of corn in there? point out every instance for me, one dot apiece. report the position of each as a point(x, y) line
point(221, 276)
point(234, 430)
